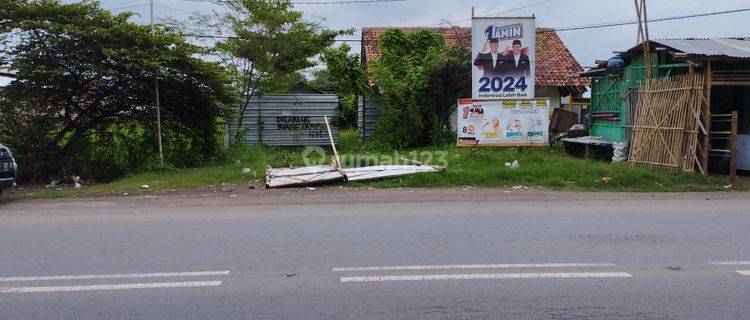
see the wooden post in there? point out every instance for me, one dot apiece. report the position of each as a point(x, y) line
point(648, 41)
point(733, 149)
point(707, 118)
point(336, 158)
point(364, 118)
point(640, 10)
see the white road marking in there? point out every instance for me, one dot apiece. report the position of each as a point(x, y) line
point(117, 276)
point(744, 272)
point(488, 276)
point(476, 266)
point(113, 287)
point(730, 263)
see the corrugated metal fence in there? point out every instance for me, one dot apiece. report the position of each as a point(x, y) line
point(289, 119)
point(367, 116)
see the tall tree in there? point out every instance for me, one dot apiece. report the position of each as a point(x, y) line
point(84, 73)
point(268, 38)
point(448, 80)
point(344, 75)
point(401, 77)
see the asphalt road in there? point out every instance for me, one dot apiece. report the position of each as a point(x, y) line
point(378, 254)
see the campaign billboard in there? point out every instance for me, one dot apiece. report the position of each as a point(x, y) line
point(504, 58)
point(514, 122)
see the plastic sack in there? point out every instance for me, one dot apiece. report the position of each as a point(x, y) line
point(620, 151)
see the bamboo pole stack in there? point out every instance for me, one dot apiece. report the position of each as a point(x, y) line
point(667, 123)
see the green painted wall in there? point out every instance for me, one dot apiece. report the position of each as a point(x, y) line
point(608, 95)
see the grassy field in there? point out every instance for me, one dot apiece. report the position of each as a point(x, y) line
point(548, 168)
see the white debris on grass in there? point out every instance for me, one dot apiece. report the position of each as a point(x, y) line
point(513, 165)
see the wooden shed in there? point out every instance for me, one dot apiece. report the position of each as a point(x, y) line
point(721, 67)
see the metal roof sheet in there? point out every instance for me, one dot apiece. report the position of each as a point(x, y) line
point(735, 48)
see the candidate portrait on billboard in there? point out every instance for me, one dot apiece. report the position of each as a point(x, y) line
point(513, 61)
point(517, 61)
point(503, 50)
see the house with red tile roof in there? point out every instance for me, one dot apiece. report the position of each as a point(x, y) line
point(556, 68)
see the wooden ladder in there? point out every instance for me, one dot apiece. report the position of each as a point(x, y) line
point(724, 133)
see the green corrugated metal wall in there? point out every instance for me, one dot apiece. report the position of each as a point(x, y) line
point(608, 95)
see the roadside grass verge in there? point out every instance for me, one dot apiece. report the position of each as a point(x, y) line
point(548, 168)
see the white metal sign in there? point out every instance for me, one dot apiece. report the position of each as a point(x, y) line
point(518, 122)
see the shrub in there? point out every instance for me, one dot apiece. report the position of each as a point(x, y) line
point(417, 81)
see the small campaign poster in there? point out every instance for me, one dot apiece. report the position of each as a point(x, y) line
point(504, 62)
point(517, 122)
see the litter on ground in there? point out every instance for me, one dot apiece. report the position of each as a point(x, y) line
point(513, 165)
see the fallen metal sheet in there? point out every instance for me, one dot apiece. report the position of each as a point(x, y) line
point(382, 172)
point(317, 175)
point(305, 176)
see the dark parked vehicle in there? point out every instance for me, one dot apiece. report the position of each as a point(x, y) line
point(8, 169)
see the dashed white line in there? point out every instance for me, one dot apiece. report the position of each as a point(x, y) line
point(488, 276)
point(112, 287)
point(475, 266)
point(744, 272)
point(117, 276)
point(730, 263)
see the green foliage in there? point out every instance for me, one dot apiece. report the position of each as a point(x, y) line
point(448, 80)
point(84, 97)
point(418, 79)
point(344, 75)
point(400, 74)
point(270, 41)
point(346, 116)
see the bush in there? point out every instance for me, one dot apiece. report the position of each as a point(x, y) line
point(346, 115)
point(448, 80)
point(417, 81)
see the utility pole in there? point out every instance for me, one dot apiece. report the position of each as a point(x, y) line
point(156, 89)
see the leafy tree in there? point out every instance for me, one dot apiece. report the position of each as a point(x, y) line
point(401, 74)
point(448, 80)
point(418, 80)
point(268, 39)
point(344, 75)
point(85, 85)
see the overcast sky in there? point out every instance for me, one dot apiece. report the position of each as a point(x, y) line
point(586, 45)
